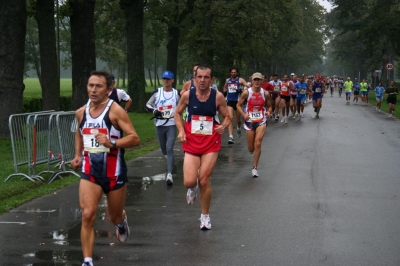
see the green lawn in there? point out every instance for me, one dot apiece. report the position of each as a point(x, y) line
point(15, 192)
point(33, 89)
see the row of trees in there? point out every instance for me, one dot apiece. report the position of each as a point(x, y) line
point(265, 35)
point(364, 36)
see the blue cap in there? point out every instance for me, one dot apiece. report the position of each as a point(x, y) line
point(167, 75)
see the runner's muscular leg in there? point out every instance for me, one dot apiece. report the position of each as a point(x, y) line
point(191, 165)
point(89, 197)
point(206, 168)
point(260, 132)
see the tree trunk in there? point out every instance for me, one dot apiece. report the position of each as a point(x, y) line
point(12, 47)
point(134, 15)
point(172, 50)
point(82, 48)
point(207, 53)
point(49, 80)
point(151, 81)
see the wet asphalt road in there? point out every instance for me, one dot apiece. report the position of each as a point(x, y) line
point(328, 194)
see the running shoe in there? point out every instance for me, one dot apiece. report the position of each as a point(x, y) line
point(86, 263)
point(316, 116)
point(390, 115)
point(302, 115)
point(231, 141)
point(294, 117)
point(286, 119)
point(254, 172)
point(239, 132)
point(205, 223)
point(277, 118)
point(169, 179)
point(191, 195)
point(123, 233)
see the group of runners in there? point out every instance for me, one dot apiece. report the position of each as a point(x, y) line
point(197, 116)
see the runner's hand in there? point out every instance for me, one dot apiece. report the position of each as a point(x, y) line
point(182, 137)
point(76, 163)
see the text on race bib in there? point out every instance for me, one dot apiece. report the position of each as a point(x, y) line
point(202, 125)
point(166, 111)
point(90, 143)
point(232, 88)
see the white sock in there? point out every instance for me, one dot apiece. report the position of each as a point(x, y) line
point(88, 259)
point(231, 136)
point(205, 216)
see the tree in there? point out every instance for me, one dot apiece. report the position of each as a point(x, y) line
point(12, 45)
point(49, 78)
point(134, 15)
point(82, 48)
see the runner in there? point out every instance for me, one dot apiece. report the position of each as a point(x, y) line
point(190, 84)
point(233, 89)
point(119, 95)
point(379, 91)
point(356, 87)
point(255, 117)
point(99, 152)
point(301, 88)
point(348, 87)
point(201, 138)
point(363, 90)
point(286, 86)
point(391, 100)
point(162, 104)
point(340, 86)
point(276, 83)
point(317, 90)
point(332, 84)
point(293, 97)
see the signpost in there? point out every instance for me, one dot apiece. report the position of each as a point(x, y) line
point(389, 66)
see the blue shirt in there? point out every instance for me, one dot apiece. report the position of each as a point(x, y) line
point(356, 87)
point(379, 91)
point(317, 87)
point(302, 88)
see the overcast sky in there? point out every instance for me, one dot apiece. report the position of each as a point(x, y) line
point(325, 4)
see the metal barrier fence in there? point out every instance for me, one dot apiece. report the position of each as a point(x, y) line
point(66, 125)
point(35, 140)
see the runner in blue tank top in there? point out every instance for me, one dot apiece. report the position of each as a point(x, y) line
point(233, 88)
point(317, 90)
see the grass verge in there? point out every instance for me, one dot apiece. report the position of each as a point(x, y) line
point(15, 191)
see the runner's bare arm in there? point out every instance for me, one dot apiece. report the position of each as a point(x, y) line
point(77, 161)
point(121, 120)
point(223, 110)
point(240, 103)
point(183, 103)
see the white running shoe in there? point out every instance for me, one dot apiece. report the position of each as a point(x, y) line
point(191, 195)
point(390, 115)
point(302, 115)
point(231, 141)
point(254, 172)
point(286, 119)
point(169, 179)
point(283, 119)
point(205, 223)
point(86, 263)
point(123, 233)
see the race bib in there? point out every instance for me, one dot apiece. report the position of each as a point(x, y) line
point(256, 115)
point(232, 88)
point(202, 125)
point(276, 88)
point(166, 111)
point(317, 89)
point(302, 91)
point(89, 141)
point(284, 88)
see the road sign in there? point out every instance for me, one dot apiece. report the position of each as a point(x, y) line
point(375, 74)
point(378, 71)
point(389, 66)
